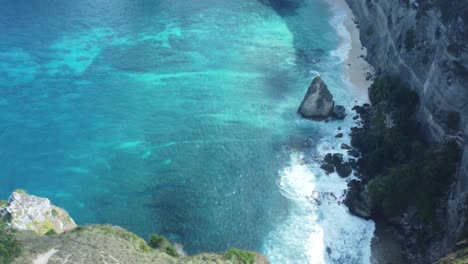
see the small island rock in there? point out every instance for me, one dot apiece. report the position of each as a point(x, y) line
point(318, 101)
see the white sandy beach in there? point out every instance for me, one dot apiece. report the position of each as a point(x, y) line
point(357, 66)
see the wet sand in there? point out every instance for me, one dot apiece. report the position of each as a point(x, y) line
point(357, 66)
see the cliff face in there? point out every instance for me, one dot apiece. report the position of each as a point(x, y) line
point(425, 43)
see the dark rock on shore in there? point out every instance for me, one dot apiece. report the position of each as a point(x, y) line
point(328, 168)
point(339, 135)
point(358, 200)
point(345, 146)
point(343, 169)
point(318, 101)
point(339, 112)
point(335, 162)
point(328, 158)
point(337, 158)
point(354, 153)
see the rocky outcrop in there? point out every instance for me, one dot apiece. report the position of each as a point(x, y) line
point(358, 200)
point(318, 101)
point(28, 212)
point(425, 44)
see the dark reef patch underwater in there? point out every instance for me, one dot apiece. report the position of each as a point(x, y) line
point(178, 118)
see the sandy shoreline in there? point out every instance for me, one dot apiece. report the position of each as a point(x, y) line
point(357, 67)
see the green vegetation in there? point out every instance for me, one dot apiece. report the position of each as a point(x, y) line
point(156, 240)
point(243, 256)
point(41, 227)
point(402, 167)
point(51, 232)
point(144, 247)
point(172, 251)
point(159, 242)
point(3, 203)
point(20, 191)
point(458, 256)
point(10, 248)
point(54, 213)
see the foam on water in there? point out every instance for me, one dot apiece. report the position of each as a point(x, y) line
point(338, 21)
point(319, 229)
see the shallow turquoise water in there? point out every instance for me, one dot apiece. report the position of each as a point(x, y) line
point(175, 117)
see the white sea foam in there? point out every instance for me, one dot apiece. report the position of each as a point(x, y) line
point(338, 20)
point(319, 229)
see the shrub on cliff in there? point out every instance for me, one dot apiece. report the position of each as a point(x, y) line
point(242, 256)
point(156, 240)
point(159, 242)
point(383, 144)
point(419, 182)
point(10, 248)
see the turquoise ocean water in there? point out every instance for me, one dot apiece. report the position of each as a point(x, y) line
point(179, 117)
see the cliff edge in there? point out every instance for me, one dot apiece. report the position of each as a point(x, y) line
point(38, 232)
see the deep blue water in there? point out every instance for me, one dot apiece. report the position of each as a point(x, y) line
point(176, 117)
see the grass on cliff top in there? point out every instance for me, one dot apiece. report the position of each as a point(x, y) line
point(106, 243)
point(403, 168)
point(242, 256)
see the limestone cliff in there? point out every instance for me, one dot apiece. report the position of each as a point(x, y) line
point(425, 43)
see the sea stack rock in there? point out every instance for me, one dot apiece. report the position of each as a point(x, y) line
point(318, 101)
point(28, 212)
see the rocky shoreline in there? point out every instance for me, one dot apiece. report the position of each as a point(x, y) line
point(375, 155)
point(424, 44)
point(411, 220)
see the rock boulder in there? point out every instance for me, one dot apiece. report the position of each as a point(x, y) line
point(339, 112)
point(358, 200)
point(318, 101)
